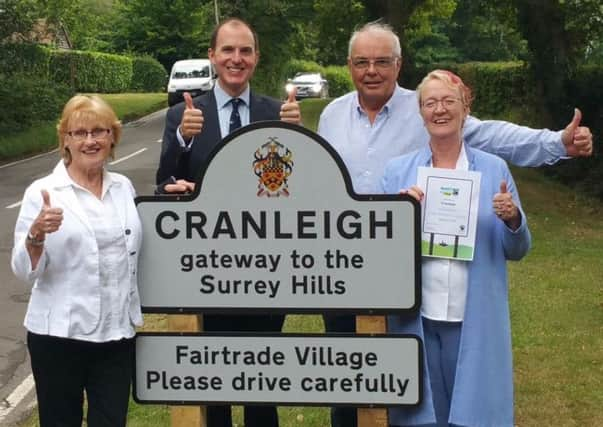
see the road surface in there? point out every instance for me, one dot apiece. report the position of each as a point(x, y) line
point(136, 157)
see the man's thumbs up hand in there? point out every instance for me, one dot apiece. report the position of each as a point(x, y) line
point(48, 220)
point(578, 140)
point(192, 119)
point(292, 94)
point(290, 111)
point(188, 101)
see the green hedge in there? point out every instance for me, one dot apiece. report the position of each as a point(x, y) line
point(294, 66)
point(23, 57)
point(148, 75)
point(50, 77)
point(340, 81)
point(84, 71)
point(586, 174)
point(497, 86)
point(26, 99)
point(91, 71)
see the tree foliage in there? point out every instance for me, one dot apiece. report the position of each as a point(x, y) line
point(168, 30)
point(16, 17)
point(335, 21)
point(426, 38)
point(483, 30)
point(558, 33)
point(553, 35)
point(270, 20)
point(91, 24)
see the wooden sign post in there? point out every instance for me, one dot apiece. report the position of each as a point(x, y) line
point(187, 416)
point(370, 417)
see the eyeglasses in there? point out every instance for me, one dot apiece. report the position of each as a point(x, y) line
point(446, 103)
point(82, 134)
point(379, 63)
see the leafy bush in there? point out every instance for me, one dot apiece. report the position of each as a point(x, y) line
point(27, 99)
point(148, 75)
point(295, 66)
point(340, 81)
point(91, 71)
point(497, 86)
point(24, 57)
point(587, 173)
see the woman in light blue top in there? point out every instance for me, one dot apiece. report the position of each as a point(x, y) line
point(464, 320)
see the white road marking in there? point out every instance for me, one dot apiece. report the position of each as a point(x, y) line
point(135, 153)
point(14, 205)
point(18, 394)
point(17, 204)
point(29, 158)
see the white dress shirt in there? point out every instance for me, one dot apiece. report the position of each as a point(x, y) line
point(444, 290)
point(114, 323)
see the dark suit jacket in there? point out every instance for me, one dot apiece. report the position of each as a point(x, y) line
point(176, 162)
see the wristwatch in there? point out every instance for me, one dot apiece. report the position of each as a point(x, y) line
point(33, 240)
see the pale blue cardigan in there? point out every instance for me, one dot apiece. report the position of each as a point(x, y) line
point(483, 388)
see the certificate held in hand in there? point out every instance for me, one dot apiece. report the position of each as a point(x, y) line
point(449, 212)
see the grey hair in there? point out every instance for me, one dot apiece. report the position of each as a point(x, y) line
point(376, 27)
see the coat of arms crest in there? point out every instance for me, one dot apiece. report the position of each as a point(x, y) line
point(273, 165)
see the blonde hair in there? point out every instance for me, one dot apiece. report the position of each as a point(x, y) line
point(89, 110)
point(452, 81)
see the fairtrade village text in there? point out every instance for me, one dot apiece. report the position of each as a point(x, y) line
point(248, 377)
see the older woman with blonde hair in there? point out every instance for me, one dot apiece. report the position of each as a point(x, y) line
point(76, 241)
point(464, 320)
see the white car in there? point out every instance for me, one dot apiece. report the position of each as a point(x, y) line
point(308, 85)
point(195, 76)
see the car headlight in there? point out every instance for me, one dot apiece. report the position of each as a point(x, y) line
point(316, 87)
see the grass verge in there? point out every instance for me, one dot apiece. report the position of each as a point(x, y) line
point(42, 137)
point(311, 109)
point(557, 308)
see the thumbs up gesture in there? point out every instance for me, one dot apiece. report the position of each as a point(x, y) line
point(290, 111)
point(505, 208)
point(48, 220)
point(578, 140)
point(192, 119)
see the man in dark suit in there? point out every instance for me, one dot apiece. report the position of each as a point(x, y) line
point(193, 129)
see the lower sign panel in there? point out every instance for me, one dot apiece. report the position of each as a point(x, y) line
point(285, 369)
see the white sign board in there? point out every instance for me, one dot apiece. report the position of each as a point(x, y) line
point(290, 369)
point(274, 226)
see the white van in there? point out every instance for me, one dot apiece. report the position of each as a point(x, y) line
point(195, 76)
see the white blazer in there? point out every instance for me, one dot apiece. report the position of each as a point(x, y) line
point(66, 283)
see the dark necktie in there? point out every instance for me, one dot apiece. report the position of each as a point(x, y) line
point(235, 119)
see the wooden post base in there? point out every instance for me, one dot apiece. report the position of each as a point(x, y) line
point(187, 416)
point(369, 417)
